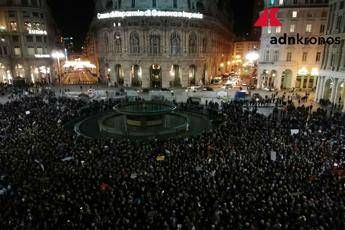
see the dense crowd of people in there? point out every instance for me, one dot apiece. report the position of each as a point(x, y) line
point(250, 172)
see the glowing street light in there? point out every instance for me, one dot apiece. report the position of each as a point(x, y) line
point(58, 55)
point(252, 56)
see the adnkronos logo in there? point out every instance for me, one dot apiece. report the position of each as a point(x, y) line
point(301, 40)
point(268, 18)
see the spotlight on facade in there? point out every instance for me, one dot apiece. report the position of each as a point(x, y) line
point(315, 72)
point(221, 65)
point(303, 71)
point(252, 56)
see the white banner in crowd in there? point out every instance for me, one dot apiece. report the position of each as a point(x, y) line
point(294, 132)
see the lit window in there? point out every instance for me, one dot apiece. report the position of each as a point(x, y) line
point(39, 50)
point(292, 28)
point(17, 51)
point(281, 2)
point(31, 51)
point(269, 30)
point(27, 26)
point(294, 14)
point(13, 26)
point(278, 29)
point(308, 28)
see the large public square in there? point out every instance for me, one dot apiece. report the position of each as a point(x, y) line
point(172, 115)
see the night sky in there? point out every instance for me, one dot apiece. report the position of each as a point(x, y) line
point(73, 17)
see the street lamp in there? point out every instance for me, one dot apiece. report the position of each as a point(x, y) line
point(57, 55)
point(252, 56)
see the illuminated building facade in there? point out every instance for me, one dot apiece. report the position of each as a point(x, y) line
point(331, 83)
point(27, 37)
point(160, 43)
point(285, 66)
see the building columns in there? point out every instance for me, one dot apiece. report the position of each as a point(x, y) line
point(334, 91)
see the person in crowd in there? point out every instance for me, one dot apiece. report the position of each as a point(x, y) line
point(223, 179)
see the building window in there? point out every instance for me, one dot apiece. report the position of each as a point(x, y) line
point(154, 3)
point(106, 42)
point(269, 30)
point(39, 50)
point(318, 57)
point(189, 4)
point(341, 6)
point(295, 2)
point(304, 56)
point(133, 3)
point(294, 14)
point(324, 14)
point(17, 51)
point(117, 43)
point(26, 14)
point(308, 28)
point(13, 26)
point(175, 4)
point(35, 14)
point(25, 2)
point(267, 56)
point(276, 56)
point(288, 56)
point(204, 45)
point(281, 2)
point(29, 38)
point(134, 43)
point(15, 38)
point(155, 44)
point(292, 28)
point(339, 19)
point(38, 38)
point(11, 14)
point(27, 26)
point(31, 51)
point(192, 43)
point(322, 29)
point(278, 29)
point(175, 43)
point(5, 50)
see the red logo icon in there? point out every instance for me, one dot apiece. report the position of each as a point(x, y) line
point(268, 18)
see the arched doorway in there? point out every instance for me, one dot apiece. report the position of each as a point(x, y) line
point(20, 72)
point(328, 90)
point(271, 79)
point(286, 79)
point(5, 75)
point(264, 79)
point(192, 75)
point(204, 75)
point(175, 73)
point(136, 75)
point(119, 75)
point(156, 76)
point(340, 98)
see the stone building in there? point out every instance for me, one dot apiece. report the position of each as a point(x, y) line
point(289, 65)
point(331, 83)
point(27, 37)
point(160, 43)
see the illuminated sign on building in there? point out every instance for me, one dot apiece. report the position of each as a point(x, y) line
point(42, 56)
point(38, 32)
point(149, 13)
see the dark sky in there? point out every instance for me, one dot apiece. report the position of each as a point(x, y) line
point(74, 16)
